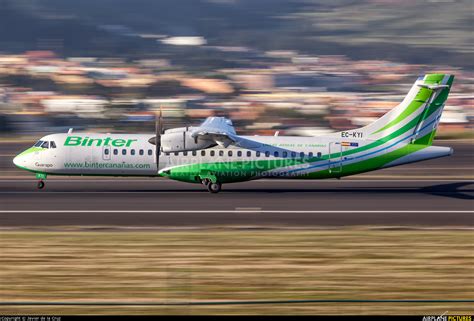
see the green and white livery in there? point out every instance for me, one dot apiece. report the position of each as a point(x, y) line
point(213, 153)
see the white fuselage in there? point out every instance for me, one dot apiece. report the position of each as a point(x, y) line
point(134, 155)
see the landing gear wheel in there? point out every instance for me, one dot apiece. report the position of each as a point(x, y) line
point(214, 187)
point(40, 185)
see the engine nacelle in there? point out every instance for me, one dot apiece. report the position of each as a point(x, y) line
point(179, 140)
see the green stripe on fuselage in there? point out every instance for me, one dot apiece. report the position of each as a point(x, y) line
point(239, 171)
point(370, 164)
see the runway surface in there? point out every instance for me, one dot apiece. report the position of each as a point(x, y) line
point(435, 193)
point(279, 203)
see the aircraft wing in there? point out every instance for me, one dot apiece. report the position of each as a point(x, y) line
point(218, 129)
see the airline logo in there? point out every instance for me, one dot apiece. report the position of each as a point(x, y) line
point(86, 141)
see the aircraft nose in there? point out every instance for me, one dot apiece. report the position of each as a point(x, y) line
point(16, 161)
point(20, 161)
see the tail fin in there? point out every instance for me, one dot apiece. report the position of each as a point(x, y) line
point(418, 114)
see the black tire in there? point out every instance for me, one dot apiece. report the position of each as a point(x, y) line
point(214, 187)
point(40, 185)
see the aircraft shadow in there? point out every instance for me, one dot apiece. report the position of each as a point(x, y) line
point(451, 190)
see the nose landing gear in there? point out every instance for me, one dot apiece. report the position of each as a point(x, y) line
point(40, 184)
point(41, 178)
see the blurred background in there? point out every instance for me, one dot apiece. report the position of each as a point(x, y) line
point(302, 67)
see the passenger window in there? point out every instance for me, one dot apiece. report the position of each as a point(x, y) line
point(176, 153)
point(285, 154)
point(275, 154)
point(167, 154)
point(213, 153)
point(124, 152)
point(106, 151)
point(230, 153)
point(115, 151)
point(310, 155)
point(141, 152)
point(239, 153)
point(52, 144)
point(203, 153)
point(293, 154)
point(257, 154)
point(132, 152)
point(150, 152)
point(185, 153)
point(301, 154)
point(249, 153)
point(194, 153)
point(45, 145)
point(319, 154)
point(267, 154)
point(221, 153)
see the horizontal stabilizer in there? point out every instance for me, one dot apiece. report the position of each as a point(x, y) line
point(433, 87)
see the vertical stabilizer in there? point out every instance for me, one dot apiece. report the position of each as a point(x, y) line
point(417, 115)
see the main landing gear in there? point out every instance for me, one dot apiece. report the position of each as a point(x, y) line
point(212, 187)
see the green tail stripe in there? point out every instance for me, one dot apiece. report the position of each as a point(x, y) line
point(431, 79)
point(420, 99)
point(422, 96)
point(381, 141)
point(434, 107)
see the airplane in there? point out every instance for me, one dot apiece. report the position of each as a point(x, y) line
point(213, 153)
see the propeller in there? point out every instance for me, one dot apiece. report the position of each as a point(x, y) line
point(158, 132)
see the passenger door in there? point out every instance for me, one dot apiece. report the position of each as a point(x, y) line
point(335, 162)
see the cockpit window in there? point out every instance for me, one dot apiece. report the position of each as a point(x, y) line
point(45, 144)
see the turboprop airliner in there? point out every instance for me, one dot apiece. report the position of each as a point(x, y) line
point(213, 153)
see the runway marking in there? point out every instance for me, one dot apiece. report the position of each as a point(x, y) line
point(238, 211)
point(248, 209)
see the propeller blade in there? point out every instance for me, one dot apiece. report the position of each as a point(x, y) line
point(161, 121)
point(158, 132)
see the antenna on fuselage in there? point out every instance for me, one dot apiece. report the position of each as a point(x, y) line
point(70, 130)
